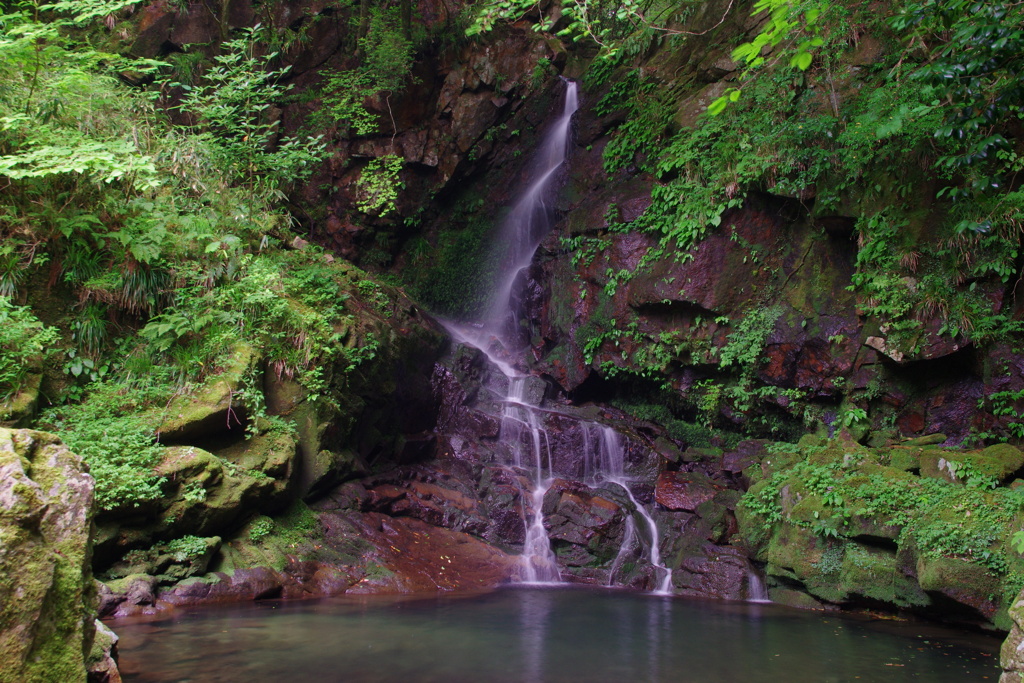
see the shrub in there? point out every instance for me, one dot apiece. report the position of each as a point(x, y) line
point(23, 339)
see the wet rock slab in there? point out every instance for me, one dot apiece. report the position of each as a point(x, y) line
point(412, 556)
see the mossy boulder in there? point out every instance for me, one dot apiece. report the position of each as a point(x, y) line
point(962, 581)
point(209, 495)
point(997, 463)
point(212, 408)
point(794, 551)
point(205, 495)
point(46, 588)
point(905, 458)
point(876, 574)
point(853, 525)
point(168, 562)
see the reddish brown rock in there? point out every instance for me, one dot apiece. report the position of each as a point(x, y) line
point(417, 556)
point(713, 571)
point(683, 491)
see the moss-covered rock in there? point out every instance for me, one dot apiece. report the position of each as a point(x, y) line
point(212, 407)
point(46, 588)
point(1011, 654)
point(996, 463)
point(962, 581)
point(852, 525)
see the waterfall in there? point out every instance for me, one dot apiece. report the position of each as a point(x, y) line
point(522, 430)
point(755, 588)
point(527, 224)
point(610, 468)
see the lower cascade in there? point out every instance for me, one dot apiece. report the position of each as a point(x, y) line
point(584, 450)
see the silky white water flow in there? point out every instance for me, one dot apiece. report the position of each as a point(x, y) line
point(522, 431)
point(755, 588)
point(528, 223)
point(608, 464)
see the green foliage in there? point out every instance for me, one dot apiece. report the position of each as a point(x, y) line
point(1018, 541)
point(193, 492)
point(343, 100)
point(1007, 404)
point(494, 11)
point(24, 344)
point(260, 529)
point(584, 249)
point(975, 69)
point(379, 184)
point(795, 132)
point(746, 344)
point(86, 11)
point(233, 102)
point(263, 308)
point(386, 48)
point(967, 472)
point(386, 57)
point(709, 399)
point(649, 111)
point(794, 23)
point(831, 561)
point(121, 454)
point(187, 548)
point(45, 89)
point(622, 29)
point(386, 61)
point(853, 417)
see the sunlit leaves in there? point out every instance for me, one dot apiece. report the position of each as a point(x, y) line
point(719, 105)
point(379, 184)
point(107, 161)
point(85, 11)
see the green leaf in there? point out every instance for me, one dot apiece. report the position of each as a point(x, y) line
point(718, 106)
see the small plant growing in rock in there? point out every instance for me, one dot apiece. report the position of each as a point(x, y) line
point(260, 529)
point(187, 548)
point(831, 561)
point(193, 492)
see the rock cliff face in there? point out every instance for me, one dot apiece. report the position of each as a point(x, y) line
point(47, 597)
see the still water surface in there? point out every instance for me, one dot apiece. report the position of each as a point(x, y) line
point(536, 635)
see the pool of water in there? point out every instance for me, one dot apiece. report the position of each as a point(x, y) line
point(534, 635)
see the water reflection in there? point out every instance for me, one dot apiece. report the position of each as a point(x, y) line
point(536, 611)
point(531, 635)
